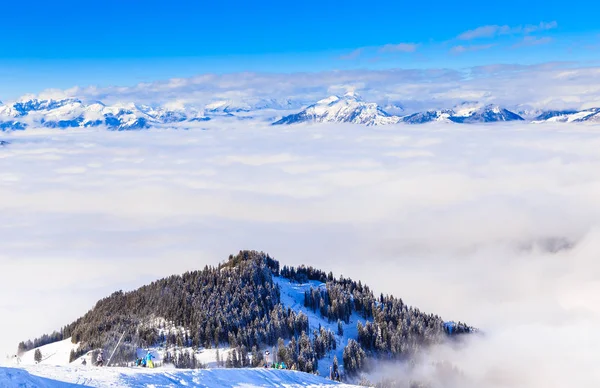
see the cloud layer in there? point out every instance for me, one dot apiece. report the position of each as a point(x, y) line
point(493, 225)
point(559, 85)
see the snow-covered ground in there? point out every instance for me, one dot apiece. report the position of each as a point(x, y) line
point(56, 353)
point(47, 376)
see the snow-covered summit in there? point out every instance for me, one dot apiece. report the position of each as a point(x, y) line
point(349, 108)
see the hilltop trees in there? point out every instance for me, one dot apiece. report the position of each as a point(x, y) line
point(238, 304)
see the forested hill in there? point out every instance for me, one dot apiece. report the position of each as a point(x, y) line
point(239, 304)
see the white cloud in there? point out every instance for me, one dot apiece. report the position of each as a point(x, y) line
point(460, 49)
point(489, 31)
point(543, 26)
point(400, 47)
point(492, 31)
point(533, 41)
point(387, 48)
point(352, 55)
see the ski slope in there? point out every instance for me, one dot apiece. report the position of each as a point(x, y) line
point(54, 376)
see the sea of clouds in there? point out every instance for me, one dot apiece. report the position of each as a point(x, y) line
point(496, 225)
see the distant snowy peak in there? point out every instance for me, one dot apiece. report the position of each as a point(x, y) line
point(428, 116)
point(73, 113)
point(464, 113)
point(231, 107)
point(569, 116)
point(349, 108)
point(485, 114)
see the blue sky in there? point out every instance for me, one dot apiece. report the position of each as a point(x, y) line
point(66, 43)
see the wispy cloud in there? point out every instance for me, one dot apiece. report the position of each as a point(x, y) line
point(399, 47)
point(533, 41)
point(543, 26)
point(388, 48)
point(463, 49)
point(352, 55)
point(485, 32)
point(491, 31)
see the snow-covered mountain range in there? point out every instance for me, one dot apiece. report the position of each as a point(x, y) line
point(74, 113)
point(349, 108)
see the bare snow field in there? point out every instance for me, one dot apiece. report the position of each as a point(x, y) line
point(495, 225)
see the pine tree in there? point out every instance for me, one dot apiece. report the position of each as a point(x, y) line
point(37, 355)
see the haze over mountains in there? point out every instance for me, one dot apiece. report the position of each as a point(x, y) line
point(347, 108)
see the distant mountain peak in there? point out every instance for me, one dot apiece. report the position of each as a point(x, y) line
point(349, 108)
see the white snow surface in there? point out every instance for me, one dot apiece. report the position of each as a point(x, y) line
point(46, 376)
point(56, 353)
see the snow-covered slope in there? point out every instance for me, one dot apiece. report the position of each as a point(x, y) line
point(17, 377)
point(349, 108)
point(56, 353)
point(292, 296)
point(73, 113)
point(45, 376)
